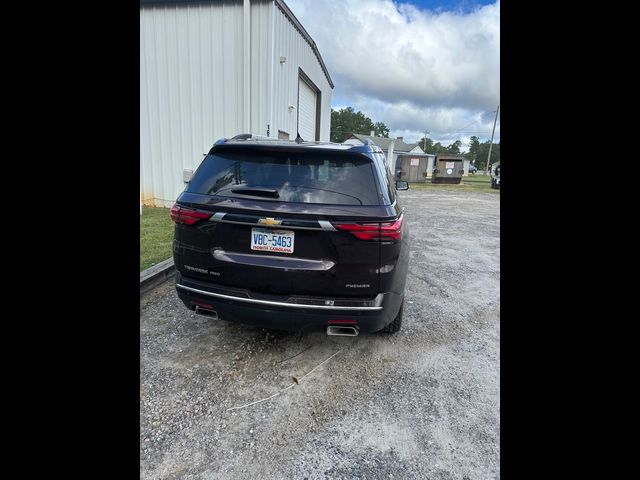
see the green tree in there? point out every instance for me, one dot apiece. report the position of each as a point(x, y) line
point(381, 130)
point(427, 145)
point(474, 147)
point(454, 147)
point(483, 152)
point(347, 121)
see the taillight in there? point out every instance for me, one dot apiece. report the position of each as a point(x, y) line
point(380, 232)
point(367, 231)
point(391, 230)
point(188, 216)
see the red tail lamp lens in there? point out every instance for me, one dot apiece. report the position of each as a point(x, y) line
point(374, 231)
point(391, 230)
point(187, 216)
point(367, 231)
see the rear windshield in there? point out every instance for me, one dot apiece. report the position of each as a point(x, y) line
point(288, 177)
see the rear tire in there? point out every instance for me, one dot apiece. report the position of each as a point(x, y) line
point(394, 326)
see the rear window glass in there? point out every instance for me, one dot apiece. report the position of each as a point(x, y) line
point(288, 177)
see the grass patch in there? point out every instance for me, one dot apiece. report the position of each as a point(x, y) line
point(156, 236)
point(471, 183)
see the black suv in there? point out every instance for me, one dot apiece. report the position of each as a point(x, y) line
point(293, 236)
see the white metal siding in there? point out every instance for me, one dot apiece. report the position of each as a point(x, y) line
point(306, 111)
point(190, 89)
point(192, 74)
point(290, 43)
point(261, 68)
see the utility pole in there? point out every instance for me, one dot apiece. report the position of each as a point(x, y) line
point(429, 171)
point(486, 168)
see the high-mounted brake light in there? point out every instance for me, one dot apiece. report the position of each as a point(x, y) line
point(188, 216)
point(381, 232)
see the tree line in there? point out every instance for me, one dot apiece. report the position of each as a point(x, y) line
point(346, 121)
point(478, 152)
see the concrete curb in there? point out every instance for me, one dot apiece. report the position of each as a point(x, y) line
point(154, 276)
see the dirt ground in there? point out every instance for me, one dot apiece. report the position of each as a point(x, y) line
point(423, 403)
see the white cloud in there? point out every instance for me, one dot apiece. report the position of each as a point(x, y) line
point(410, 68)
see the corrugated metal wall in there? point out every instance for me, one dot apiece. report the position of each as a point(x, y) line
point(299, 54)
point(261, 67)
point(192, 84)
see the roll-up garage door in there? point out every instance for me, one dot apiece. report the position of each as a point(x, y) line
point(306, 111)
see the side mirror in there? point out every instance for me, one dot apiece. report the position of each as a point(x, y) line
point(402, 185)
point(186, 175)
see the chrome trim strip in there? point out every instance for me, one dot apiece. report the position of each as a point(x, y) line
point(327, 225)
point(218, 216)
point(260, 225)
point(277, 304)
point(284, 263)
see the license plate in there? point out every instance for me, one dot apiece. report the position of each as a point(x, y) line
point(272, 240)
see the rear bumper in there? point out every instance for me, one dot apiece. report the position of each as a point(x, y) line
point(292, 313)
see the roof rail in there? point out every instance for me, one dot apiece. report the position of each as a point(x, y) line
point(250, 136)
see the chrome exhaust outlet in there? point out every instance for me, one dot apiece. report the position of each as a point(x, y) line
point(206, 312)
point(343, 330)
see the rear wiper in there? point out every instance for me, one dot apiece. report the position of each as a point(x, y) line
point(258, 192)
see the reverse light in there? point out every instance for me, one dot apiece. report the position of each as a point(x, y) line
point(187, 216)
point(380, 232)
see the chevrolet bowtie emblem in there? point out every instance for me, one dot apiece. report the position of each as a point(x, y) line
point(269, 221)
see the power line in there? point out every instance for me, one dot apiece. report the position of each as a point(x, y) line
point(475, 121)
point(469, 131)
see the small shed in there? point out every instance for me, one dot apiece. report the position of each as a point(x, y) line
point(413, 167)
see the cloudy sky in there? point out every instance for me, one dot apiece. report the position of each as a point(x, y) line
point(415, 65)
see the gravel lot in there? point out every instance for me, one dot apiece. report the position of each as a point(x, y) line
point(423, 403)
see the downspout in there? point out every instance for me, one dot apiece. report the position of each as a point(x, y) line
point(247, 65)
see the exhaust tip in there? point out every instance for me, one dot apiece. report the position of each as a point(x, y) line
point(343, 330)
point(206, 312)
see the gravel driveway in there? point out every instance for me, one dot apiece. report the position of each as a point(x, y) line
point(423, 403)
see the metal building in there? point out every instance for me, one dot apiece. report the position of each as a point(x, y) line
point(217, 68)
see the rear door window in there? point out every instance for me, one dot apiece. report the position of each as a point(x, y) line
point(314, 177)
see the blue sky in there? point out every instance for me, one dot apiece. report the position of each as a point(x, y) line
point(415, 65)
point(461, 5)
